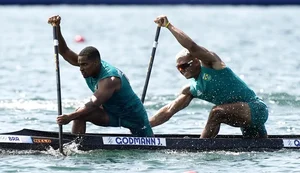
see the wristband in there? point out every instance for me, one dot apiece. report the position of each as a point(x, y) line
point(167, 24)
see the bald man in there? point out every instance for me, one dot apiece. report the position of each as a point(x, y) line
point(211, 80)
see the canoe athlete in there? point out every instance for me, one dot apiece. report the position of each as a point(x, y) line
point(211, 80)
point(113, 103)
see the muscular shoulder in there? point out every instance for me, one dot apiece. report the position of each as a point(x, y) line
point(215, 63)
point(186, 90)
point(110, 82)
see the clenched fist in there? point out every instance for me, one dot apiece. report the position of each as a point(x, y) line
point(54, 20)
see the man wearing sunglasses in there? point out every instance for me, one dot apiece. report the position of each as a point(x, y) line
point(235, 103)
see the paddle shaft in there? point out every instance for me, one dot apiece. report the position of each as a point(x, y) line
point(55, 41)
point(150, 64)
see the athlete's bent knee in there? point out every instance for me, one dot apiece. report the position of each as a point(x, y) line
point(217, 114)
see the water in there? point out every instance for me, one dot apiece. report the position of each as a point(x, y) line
point(259, 43)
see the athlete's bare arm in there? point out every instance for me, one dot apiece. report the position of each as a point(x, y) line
point(106, 88)
point(64, 50)
point(208, 58)
point(166, 112)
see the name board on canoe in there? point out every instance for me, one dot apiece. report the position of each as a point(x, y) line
point(291, 143)
point(15, 139)
point(148, 141)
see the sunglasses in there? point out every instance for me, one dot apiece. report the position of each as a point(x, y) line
point(185, 65)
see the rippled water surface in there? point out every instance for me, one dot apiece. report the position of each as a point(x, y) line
point(261, 44)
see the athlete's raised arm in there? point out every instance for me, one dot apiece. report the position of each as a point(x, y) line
point(208, 58)
point(64, 50)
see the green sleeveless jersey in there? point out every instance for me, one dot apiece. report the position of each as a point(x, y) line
point(123, 103)
point(220, 87)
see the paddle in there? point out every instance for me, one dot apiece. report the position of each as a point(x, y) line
point(150, 63)
point(55, 41)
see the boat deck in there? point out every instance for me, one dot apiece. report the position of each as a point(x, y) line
point(27, 139)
